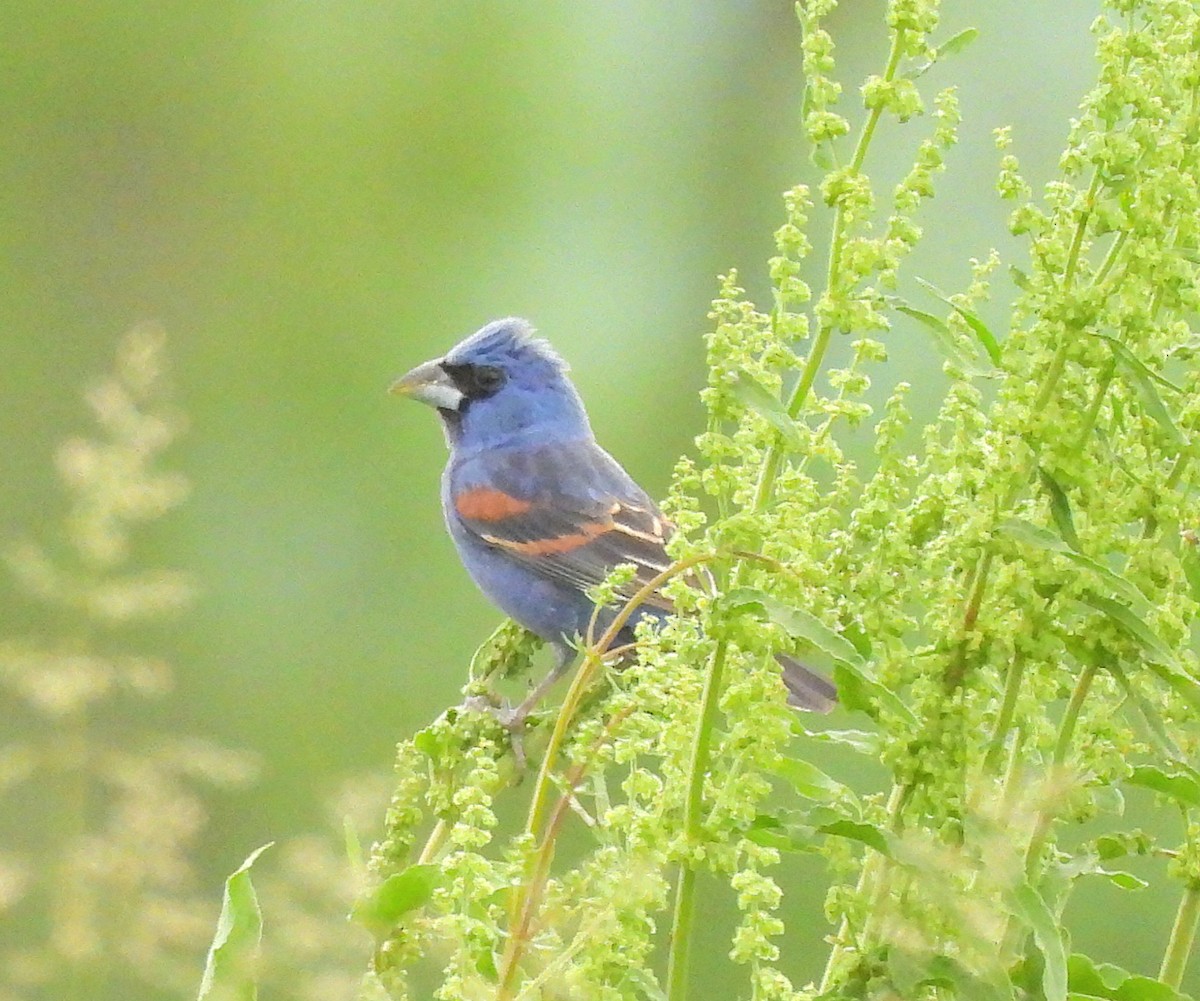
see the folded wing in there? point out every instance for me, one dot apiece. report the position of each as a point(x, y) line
point(567, 511)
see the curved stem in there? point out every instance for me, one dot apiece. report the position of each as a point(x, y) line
point(539, 873)
point(593, 658)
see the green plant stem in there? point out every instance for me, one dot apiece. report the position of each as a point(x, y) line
point(1183, 937)
point(1062, 747)
point(816, 357)
point(1066, 729)
point(1150, 526)
point(1008, 707)
point(868, 875)
point(433, 844)
point(956, 671)
point(685, 887)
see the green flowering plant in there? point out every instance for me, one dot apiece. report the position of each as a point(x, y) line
point(1006, 599)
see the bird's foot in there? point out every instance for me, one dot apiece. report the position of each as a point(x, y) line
point(512, 719)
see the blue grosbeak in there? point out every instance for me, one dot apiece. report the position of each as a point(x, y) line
point(539, 511)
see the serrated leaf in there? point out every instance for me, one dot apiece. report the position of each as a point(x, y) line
point(229, 971)
point(1143, 382)
point(1175, 784)
point(855, 830)
point(980, 329)
point(754, 395)
point(1060, 508)
point(381, 909)
point(1027, 904)
point(856, 688)
point(1042, 538)
point(1160, 659)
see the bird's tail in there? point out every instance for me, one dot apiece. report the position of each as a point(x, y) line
point(806, 689)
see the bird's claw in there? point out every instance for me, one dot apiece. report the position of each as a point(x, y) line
point(512, 719)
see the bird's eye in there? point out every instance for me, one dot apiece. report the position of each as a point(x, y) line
point(475, 382)
point(486, 379)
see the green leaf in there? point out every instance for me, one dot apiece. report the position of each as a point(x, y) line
point(943, 338)
point(859, 691)
point(381, 909)
point(1133, 625)
point(229, 972)
point(854, 830)
point(862, 741)
point(1027, 904)
point(1060, 508)
point(1176, 784)
point(810, 782)
point(1020, 279)
point(950, 47)
point(856, 688)
point(821, 156)
point(768, 406)
point(1190, 560)
point(1160, 660)
point(910, 971)
point(1143, 381)
point(978, 327)
point(1104, 980)
point(1124, 880)
point(1155, 726)
point(797, 623)
point(1120, 844)
point(956, 43)
point(771, 831)
point(1042, 538)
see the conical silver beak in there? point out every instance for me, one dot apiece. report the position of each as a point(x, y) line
point(429, 384)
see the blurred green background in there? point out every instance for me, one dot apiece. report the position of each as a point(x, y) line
point(313, 197)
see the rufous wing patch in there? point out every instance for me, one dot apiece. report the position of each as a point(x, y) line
point(555, 543)
point(489, 504)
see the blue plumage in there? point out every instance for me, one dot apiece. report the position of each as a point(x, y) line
point(538, 510)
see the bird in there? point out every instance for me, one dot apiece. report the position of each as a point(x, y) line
point(538, 512)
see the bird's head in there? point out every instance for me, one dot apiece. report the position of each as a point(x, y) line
point(500, 385)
